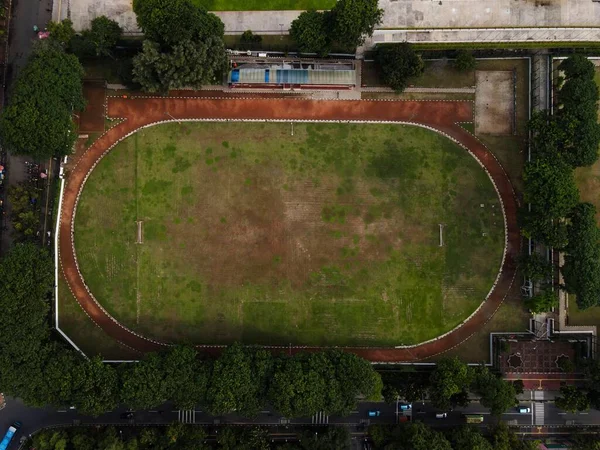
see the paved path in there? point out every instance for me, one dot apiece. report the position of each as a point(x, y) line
point(439, 115)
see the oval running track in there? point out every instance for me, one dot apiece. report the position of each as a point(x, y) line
point(441, 116)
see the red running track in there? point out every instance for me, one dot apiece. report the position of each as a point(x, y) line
point(442, 116)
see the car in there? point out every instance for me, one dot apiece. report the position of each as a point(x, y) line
point(127, 415)
point(405, 406)
point(524, 410)
point(373, 413)
point(441, 415)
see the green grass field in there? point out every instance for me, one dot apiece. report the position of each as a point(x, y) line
point(263, 5)
point(329, 236)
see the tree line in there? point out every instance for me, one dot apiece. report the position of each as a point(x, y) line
point(413, 436)
point(178, 436)
point(560, 143)
point(43, 371)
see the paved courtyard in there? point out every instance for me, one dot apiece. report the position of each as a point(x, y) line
point(398, 14)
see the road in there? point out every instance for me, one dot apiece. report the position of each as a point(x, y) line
point(545, 414)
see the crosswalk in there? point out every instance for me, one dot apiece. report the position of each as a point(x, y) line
point(320, 418)
point(186, 416)
point(538, 410)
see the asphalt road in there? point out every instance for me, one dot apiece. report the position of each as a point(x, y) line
point(34, 419)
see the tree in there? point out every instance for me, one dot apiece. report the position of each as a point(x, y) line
point(239, 381)
point(142, 383)
point(465, 61)
point(37, 120)
point(333, 438)
point(25, 210)
point(353, 20)
point(581, 269)
point(519, 386)
point(95, 387)
point(577, 66)
point(565, 364)
point(550, 188)
point(185, 377)
point(572, 399)
point(496, 393)
point(188, 64)
point(418, 436)
point(586, 442)
point(311, 32)
point(398, 63)
point(469, 438)
point(544, 301)
point(61, 32)
point(503, 438)
point(103, 35)
point(535, 267)
point(450, 377)
point(170, 22)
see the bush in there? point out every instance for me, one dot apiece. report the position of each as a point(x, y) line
point(250, 38)
point(465, 61)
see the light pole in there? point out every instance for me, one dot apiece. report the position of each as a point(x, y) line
point(169, 114)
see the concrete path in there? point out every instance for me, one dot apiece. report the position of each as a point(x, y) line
point(439, 116)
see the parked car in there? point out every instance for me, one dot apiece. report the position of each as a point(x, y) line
point(374, 413)
point(524, 410)
point(441, 415)
point(127, 415)
point(404, 406)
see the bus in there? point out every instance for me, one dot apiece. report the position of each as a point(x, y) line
point(8, 437)
point(473, 418)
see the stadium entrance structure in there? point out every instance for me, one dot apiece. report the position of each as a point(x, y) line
point(292, 74)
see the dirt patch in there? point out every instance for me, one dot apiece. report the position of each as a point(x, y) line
point(494, 102)
point(91, 119)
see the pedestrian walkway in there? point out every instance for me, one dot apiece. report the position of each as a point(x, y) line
point(186, 416)
point(320, 418)
point(538, 413)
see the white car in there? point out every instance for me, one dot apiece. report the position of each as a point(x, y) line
point(524, 410)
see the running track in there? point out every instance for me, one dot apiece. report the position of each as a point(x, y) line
point(440, 115)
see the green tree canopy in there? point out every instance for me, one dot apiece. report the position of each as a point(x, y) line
point(469, 438)
point(239, 380)
point(311, 32)
point(170, 22)
point(465, 61)
point(61, 32)
point(103, 35)
point(496, 393)
point(95, 387)
point(37, 120)
point(581, 269)
point(542, 301)
point(418, 436)
point(187, 64)
point(572, 399)
point(354, 20)
point(536, 267)
point(398, 63)
point(142, 383)
point(450, 377)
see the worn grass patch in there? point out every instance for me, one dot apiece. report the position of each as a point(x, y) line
point(327, 237)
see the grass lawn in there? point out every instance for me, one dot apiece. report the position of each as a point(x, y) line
point(263, 5)
point(75, 323)
point(440, 74)
point(328, 237)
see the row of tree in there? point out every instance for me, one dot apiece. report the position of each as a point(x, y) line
point(450, 384)
point(188, 437)
point(346, 26)
point(241, 380)
point(414, 436)
point(560, 143)
point(418, 436)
